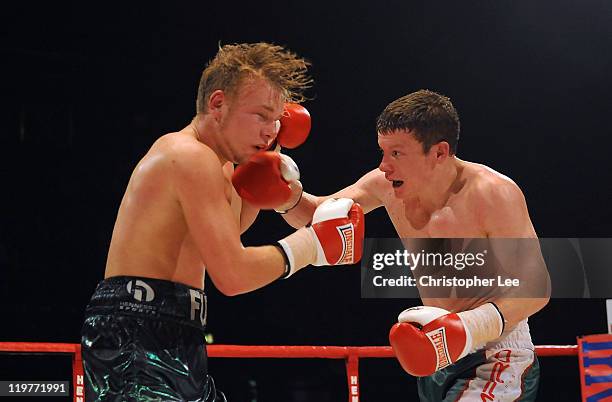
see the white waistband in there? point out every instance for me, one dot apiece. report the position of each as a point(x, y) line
point(514, 338)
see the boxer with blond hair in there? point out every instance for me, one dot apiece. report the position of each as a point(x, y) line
point(181, 217)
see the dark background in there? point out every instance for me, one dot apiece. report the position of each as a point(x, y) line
point(87, 88)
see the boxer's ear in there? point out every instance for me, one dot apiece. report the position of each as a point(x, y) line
point(216, 100)
point(441, 151)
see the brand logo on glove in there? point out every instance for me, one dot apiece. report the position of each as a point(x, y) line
point(438, 340)
point(346, 232)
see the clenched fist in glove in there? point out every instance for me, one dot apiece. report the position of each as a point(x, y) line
point(427, 339)
point(268, 180)
point(294, 126)
point(335, 236)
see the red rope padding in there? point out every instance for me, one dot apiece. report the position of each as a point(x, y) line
point(342, 352)
point(39, 347)
point(557, 350)
point(351, 354)
point(321, 352)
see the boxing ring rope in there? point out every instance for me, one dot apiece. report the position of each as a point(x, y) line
point(350, 354)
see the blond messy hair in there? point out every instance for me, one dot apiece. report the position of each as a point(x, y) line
point(233, 63)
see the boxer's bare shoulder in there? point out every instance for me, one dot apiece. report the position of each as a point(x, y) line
point(176, 175)
point(169, 154)
point(479, 203)
point(497, 201)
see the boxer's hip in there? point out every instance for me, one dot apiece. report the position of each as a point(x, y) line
point(149, 299)
point(506, 370)
point(143, 339)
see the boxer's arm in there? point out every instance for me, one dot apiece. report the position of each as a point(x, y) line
point(367, 191)
point(199, 185)
point(504, 215)
point(248, 214)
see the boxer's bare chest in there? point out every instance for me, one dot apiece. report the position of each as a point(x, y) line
point(455, 219)
point(230, 193)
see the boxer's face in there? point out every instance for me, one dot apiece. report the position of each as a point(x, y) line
point(404, 163)
point(249, 123)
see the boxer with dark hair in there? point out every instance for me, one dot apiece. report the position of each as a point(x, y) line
point(428, 192)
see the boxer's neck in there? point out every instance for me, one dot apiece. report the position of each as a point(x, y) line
point(442, 185)
point(207, 131)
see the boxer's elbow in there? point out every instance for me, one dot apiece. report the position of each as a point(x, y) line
point(532, 306)
point(227, 278)
point(540, 303)
point(238, 287)
point(246, 269)
point(229, 286)
point(229, 290)
point(235, 277)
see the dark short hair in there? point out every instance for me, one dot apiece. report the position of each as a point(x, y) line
point(431, 117)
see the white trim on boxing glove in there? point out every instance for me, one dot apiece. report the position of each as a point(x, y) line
point(340, 209)
point(291, 174)
point(423, 315)
point(288, 168)
point(303, 247)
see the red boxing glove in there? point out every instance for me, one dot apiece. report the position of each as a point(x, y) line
point(338, 227)
point(264, 180)
point(334, 238)
point(294, 126)
point(428, 339)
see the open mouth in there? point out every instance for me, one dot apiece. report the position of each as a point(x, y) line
point(397, 183)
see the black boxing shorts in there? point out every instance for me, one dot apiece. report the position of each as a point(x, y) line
point(143, 340)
